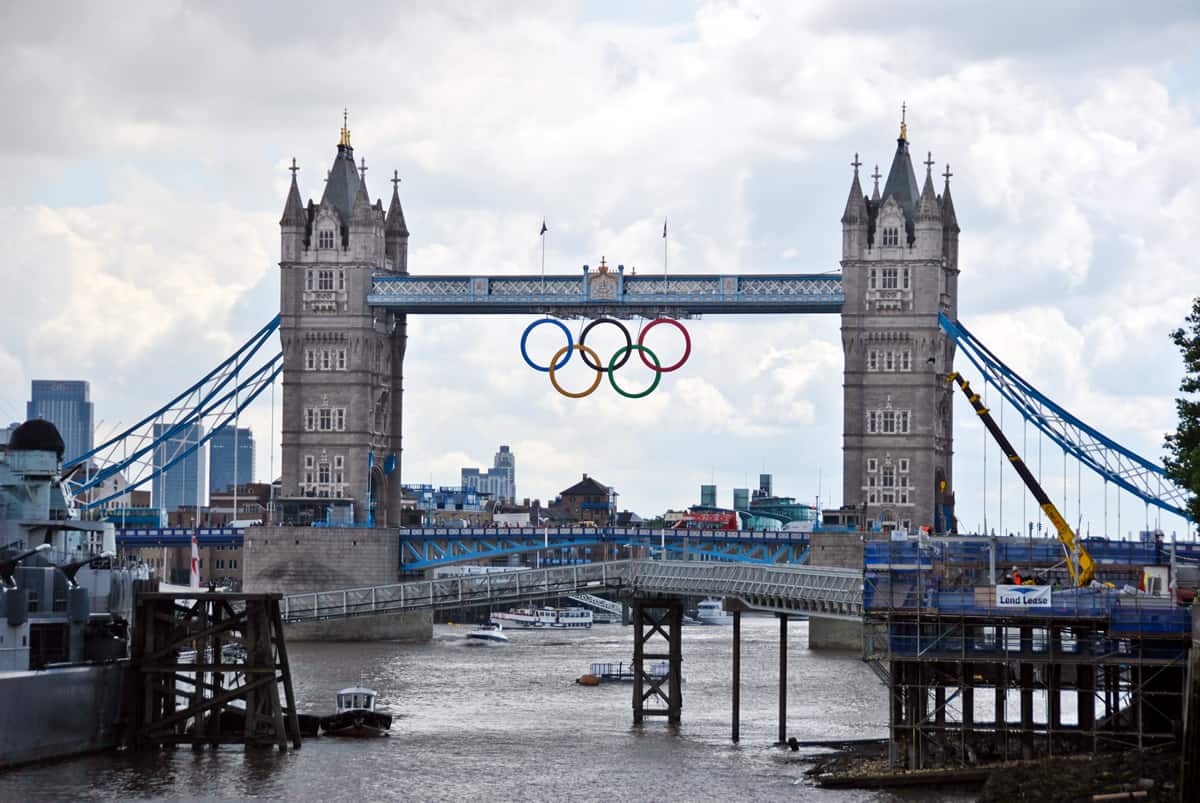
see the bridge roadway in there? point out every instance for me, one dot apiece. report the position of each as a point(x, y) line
point(595, 294)
point(812, 591)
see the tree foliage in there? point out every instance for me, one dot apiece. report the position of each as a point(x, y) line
point(1183, 447)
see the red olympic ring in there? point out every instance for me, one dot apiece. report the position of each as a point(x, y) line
point(687, 345)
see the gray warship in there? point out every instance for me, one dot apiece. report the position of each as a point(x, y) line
point(67, 607)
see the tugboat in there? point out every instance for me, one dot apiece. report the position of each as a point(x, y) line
point(356, 715)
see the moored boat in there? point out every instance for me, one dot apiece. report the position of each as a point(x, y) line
point(356, 715)
point(574, 618)
point(710, 612)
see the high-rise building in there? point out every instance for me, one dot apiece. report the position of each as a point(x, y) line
point(741, 498)
point(708, 495)
point(764, 484)
point(500, 481)
point(66, 405)
point(6, 432)
point(899, 271)
point(230, 458)
point(182, 484)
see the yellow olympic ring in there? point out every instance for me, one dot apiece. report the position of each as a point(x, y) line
point(582, 349)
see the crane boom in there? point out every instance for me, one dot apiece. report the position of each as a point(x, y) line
point(1079, 562)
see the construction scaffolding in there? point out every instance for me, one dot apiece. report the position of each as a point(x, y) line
point(973, 679)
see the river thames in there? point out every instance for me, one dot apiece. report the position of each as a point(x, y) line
point(508, 722)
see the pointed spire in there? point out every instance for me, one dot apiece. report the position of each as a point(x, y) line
point(928, 208)
point(904, 121)
point(395, 225)
point(293, 208)
point(856, 207)
point(875, 193)
point(949, 219)
point(344, 140)
point(362, 203)
point(901, 182)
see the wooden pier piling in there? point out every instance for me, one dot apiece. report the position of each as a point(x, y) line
point(207, 669)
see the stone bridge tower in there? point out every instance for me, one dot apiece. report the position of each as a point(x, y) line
point(900, 269)
point(342, 361)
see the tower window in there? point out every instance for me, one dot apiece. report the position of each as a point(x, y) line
point(906, 360)
point(325, 280)
point(872, 360)
point(871, 278)
point(889, 278)
point(310, 361)
point(904, 277)
point(891, 236)
point(341, 359)
point(308, 280)
point(325, 238)
point(342, 279)
point(872, 421)
point(889, 361)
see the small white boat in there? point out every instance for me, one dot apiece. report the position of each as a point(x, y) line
point(356, 715)
point(710, 612)
point(487, 633)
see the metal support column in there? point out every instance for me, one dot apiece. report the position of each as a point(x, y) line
point(783, 648)
point(737, 675)
point(657, 617)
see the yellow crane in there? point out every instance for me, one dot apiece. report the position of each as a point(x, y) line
point(1079, 562)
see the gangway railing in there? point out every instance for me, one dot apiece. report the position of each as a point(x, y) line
point(455, 592)
point(822, 592)
point(599, 603)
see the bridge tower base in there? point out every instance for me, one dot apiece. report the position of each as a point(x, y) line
point(657, 620)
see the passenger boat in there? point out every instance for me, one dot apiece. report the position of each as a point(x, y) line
point(710, 612)
point(487, 633)
point(620, 673)
point(356, 715)
point(541, 618)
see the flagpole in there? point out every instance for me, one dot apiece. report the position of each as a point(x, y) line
point(542, 235)
point(666, 282)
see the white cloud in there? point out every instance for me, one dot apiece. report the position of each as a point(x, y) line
point(146, 180)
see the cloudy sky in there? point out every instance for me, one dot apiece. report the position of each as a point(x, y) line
point(145, 152)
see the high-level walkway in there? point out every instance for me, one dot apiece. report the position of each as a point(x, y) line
point(812, 591)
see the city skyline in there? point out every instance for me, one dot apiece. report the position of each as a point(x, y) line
point(748, 120)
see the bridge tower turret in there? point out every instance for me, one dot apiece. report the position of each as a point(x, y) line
point(900, 268)
point(342, 374)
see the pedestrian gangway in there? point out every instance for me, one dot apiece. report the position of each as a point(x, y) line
point(813, 591)
point(599, 603)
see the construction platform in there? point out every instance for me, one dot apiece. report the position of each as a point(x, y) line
point(975, 678)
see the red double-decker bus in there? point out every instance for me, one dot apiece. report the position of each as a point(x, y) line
point(707, 520)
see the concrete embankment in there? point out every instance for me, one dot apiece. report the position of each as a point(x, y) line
point(299, 560)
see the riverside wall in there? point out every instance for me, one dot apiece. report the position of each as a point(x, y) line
point(298, 560)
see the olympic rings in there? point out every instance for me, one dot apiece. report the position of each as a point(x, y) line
point(567, 350)
point(619, 358)
point(583, 350)
point(624, 331)
point(687, 345)
point(612, 371)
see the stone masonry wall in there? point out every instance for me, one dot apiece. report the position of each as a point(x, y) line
point(294, 560)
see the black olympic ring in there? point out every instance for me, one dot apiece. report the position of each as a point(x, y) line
point(628, 343)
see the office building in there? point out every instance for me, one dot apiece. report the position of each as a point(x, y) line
point(183, 483)
point(498, 482)
point(230, 458)
point(708, 495)
point(67, 405)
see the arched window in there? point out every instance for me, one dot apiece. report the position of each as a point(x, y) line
point(891, 236)
point(325, 238)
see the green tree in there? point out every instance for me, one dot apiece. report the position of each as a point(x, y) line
point(1183, 448)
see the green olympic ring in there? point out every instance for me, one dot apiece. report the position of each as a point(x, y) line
point(625, 350)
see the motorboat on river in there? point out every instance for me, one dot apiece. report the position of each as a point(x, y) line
point(487, 633)
point(356, 715)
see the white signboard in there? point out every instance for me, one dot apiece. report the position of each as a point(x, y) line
point(1009, 596)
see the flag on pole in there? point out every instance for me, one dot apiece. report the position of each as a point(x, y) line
point(544, 229)
point(194, 573)
point(664, 228)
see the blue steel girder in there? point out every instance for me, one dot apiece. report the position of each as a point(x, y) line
point(426, 548)
point(427, 554)
point(783, 553)
point(598, 294)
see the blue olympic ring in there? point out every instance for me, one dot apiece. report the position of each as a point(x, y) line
point(570, 345)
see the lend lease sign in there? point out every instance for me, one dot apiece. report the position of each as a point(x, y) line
point(1008, 596)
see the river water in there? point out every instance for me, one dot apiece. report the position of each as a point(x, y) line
point(508, 722)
